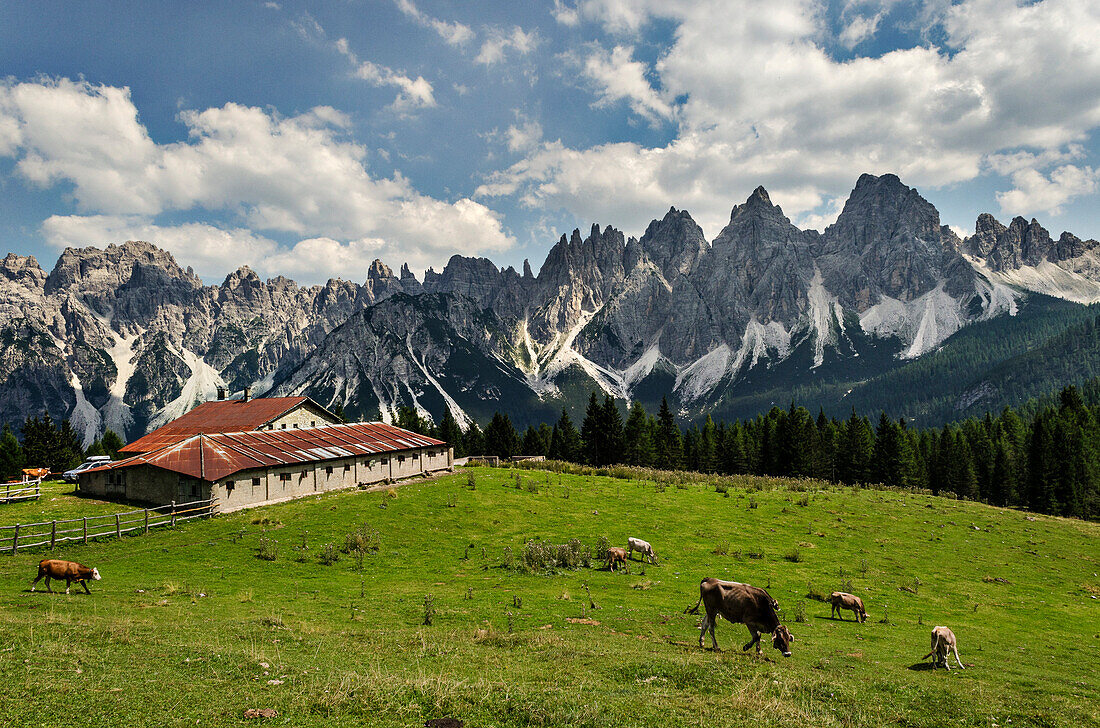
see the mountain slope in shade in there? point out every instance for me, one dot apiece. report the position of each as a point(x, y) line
point(125, 338)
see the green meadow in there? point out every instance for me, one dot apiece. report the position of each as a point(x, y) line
point(189, 626)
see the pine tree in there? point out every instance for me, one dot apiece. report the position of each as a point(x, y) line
point(39, 441)
point(638, 438)
point(669, 442)
point(592, 432)
point(501, 438)
point(111, 443)
point(545, 433)
point(708, 447)
point(856, 450)
point(824, 463)
point(11, 455)
point(565, 442)
point(473, 441)
point(734, 459)
point(450, 432)
point(1041, 465)
point(532, 442)
point(67, 452)
point(614, 445)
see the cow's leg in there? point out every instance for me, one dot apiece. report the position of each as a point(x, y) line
point(955, 649)
point(84, 583)
point(703, 626)
point(68, 584)
point(48, 584)
point(40, 575)
point(713, 619)
point(754, 641)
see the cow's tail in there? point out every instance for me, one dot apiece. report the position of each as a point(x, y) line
point(695, 609)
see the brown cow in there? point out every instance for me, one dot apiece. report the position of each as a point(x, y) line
point(70, 571)
point(744, 604)
point(616, 555)
point(943, 643)
point(844, 600)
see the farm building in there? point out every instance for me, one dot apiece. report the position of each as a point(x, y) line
point(245, 469)
point(235, 415)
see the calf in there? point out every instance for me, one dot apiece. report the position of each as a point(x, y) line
point(616, 555)
point(642, 547)
point(844, 600)
point(943, 643)
point(70, 571)
point(744, 604)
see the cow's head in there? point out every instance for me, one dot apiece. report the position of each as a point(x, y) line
point(95, 575)
point(782, 639)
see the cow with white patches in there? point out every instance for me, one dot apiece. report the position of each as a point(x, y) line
point(642, 547)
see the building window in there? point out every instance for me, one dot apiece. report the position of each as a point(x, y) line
point(385, 461)
point(255, 482)
point(313, 423)
point(188, 488)
point(295, 425)
point(328, 470)
point(347, 467)
point(282, 426)
point(284, 477)
point(229, 486)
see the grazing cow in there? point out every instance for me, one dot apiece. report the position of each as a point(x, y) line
point(744, 604)
point(642, 547)
point(70, 571)
point(844, 600)
point(616, 555)
point(943, 643)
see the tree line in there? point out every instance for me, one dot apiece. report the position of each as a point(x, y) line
point(1046, 459)
point(45, 444)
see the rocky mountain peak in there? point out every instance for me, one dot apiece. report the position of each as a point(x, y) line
point(23, 269)
point(674, 243)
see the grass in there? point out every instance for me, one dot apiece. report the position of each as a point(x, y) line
point(189, 626)
point(58, 501)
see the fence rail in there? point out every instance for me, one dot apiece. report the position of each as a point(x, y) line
point(89, 528)
point(20, 491)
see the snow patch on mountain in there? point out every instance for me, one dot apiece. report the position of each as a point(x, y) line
point(201, 385)
point(821, 316)
point(1046, 278)
point(85, 418)
point(640, 369)
point(922, 324)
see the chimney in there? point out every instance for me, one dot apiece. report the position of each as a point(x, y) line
point(221, 393)
point(247, 393)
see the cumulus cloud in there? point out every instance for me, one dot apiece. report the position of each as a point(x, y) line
point(415, 92)
point(500, 42)
point(617, 76)
point(859, 29)
point(295, 175)
point(454, 33)
point(762, 101)
point(1035, 192)
point(523, 137)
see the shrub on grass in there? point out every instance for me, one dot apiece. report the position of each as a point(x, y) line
point(794, 556)
point(800, 612)
point(814, 594)
point(602, 545)
point(429, 609)
point(328, 555)
point(363, 540)
point(268, 550)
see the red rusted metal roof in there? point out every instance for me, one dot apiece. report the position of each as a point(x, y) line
point(212, 456)
point(224, 415)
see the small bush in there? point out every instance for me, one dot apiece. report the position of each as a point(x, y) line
point(755, 554)
point(721, 487)
point(722, 549)
point(659, 487)
point(845, 586)
point(803, 501)
point(328, 554)
point(814, 594)
point(471, 481)
point(794, 556)
point(602, 545)
point(268, 550)
point(800, 612)
point(753, 504)
point(363, 540)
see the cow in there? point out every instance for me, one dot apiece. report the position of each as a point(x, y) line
point(642, 547)
point(616, 555)
point(744, 604)
point(70, 571)
point(943, 643)
point(844, 600)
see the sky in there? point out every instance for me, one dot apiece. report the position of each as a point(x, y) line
point(308, 139)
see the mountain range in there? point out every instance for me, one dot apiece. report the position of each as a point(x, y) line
point(125, 338)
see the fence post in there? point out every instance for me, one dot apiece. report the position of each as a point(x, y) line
point(53, 535)
point(15, 541)
point(173, 513)
point(85, 529)
point(118, 526)
point(147, 520)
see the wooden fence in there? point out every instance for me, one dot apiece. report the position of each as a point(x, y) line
point(89, 528)
point(20, 491)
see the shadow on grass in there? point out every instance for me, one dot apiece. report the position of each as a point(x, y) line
point(921, 667)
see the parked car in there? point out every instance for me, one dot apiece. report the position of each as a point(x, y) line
point(71, 476)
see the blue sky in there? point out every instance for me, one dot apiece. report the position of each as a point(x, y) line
point(307, 139)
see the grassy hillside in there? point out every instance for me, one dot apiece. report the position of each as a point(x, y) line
point(189, 627)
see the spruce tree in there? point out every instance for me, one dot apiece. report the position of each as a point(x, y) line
point(669, 442)
point(450, 432)
point(39, 441)
point(708, 447)
point(501, 438)
point(545, 433)
point(111, 443)
point(67, 452)
point(532, 442)
point(614, 446)
point(473, 441)
point(638, 438)
point(592, 433)
point(11, 455)
point(565, 443)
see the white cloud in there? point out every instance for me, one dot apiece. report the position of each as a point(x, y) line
point(294, 175)
point(565, 14)
point(860, 28)
point(1035, 192)
point(524, 137)
point(501, 41)
point(415, 93)
point(453, 33)
point(618, 76)
point(763, 102)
